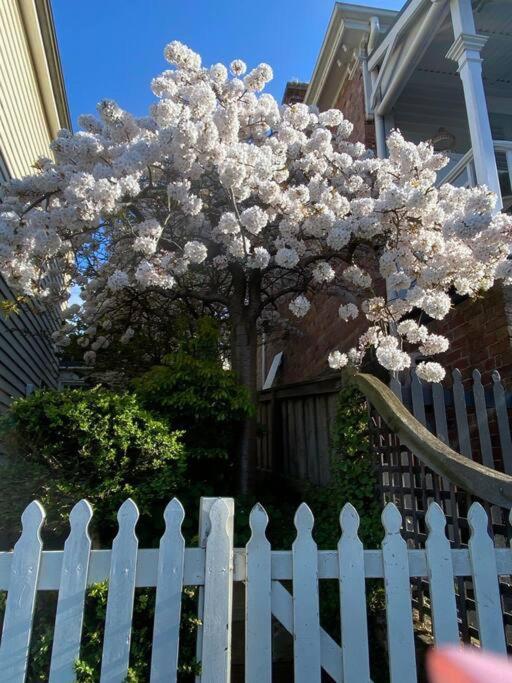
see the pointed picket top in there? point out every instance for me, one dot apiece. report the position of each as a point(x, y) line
point(391, 519)
point(21, 595)
point(349, 521)
point(457, 375)
point(80, 516)
point(258, 521)
point(435, 519)
point(304, 519)
point(32, 518)
point(477, 375)
point(219, 515)
point(477, 518)
point(174, 513)
point(127, 516)
point(496, 377)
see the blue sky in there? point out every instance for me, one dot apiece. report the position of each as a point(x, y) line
point(112, 48)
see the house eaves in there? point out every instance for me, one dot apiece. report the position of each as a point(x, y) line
point(349, 24)
point(42, 41)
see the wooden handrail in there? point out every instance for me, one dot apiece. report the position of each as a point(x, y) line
point(485, 483)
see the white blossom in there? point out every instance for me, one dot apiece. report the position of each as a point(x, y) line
point(348, 311)
point(413, 332)
point(323, 272)
point(238, 67)
point(337, 360)
point(195, 252)
point(222, 190)
point(118, 280)
point(356, 276)
point(430, 372)
point(299, 306)
point(436, 304)
point(432, 344)
point(254, 219)
point(286, 258)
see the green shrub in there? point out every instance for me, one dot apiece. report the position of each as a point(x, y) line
point(195, 393)
point(87, 443)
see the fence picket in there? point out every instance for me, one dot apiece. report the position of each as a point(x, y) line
point(306, 610)
point(70, 605)
point(440, 412)
point(396, 387)
point(461, 414)
point(27, 569)
point(485, 581)
point(216, 646)
point(169, 586)
point(402, 657)
point(482, 420)
point(441, 579)
point(354, 622)
point(258, 607)
point(500, 403)
point(418, 400)
point(21, 596)
point(121, 590)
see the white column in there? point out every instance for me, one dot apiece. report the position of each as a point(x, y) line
point(466, 52)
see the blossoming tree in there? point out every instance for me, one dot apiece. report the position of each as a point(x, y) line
point(222, 198)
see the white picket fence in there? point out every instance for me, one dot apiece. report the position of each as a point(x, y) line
point(214, 568)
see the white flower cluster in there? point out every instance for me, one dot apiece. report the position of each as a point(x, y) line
point(221, 191)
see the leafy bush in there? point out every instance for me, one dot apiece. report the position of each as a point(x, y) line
point(196, 394)
point(87, 443)
point(353, 475)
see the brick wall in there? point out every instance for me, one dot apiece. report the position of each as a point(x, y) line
point(480, 334)
point(351, 102)
point(310, 340)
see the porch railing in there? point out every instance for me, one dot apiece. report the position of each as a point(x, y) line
point(462, 174)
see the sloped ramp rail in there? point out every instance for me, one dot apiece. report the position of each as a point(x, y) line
point(216, 566)
point(411, 426)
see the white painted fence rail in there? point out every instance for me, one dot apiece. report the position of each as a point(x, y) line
point(214, 567)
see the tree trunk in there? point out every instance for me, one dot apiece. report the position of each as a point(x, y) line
point(243, 359)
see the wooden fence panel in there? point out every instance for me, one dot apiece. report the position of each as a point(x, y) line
point(296, 425)
point(500, 403)
point(306, 608)
point(461, 414)
point(169, 586)
point(441, 579)
point(21, 596)
point(402, 657)
point(482, 420)
point(485, 582)
point(353, 617)
point(121, 591)
point(258, 620)
point(218, 598)
point(71, 601)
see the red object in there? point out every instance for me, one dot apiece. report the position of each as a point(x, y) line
point(467, 665)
